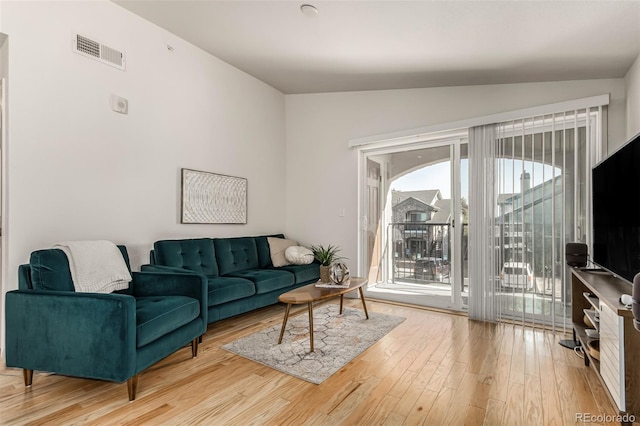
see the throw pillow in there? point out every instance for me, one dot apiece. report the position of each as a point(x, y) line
point(277, 247)
point(298, 255)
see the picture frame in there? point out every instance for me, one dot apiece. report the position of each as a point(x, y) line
point(211, 198)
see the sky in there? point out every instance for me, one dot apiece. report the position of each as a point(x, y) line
point(437, 176)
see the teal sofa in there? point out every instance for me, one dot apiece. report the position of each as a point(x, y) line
point(114, 336)
point(239, 272)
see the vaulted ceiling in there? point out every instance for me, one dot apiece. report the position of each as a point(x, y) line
point(367, 45)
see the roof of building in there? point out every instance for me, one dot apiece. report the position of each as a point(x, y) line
point(412, 202)
point(428, 196)
point(431, 199)
point(505, 198)
point(443, 214)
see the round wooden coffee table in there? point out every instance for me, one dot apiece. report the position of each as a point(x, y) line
point(310, 293)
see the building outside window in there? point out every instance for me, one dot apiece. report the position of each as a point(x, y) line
point(421, 231)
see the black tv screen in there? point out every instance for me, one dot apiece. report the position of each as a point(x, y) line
point(616, 211)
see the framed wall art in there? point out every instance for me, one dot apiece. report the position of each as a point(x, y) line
point(213, 198)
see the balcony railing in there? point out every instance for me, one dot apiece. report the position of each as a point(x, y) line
point(421, 252)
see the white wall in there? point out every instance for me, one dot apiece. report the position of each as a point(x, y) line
point(632, 82)
point(322, 171)
point(78, 170)
point(4, 56)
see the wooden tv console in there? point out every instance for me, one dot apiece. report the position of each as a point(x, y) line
point(597, 295)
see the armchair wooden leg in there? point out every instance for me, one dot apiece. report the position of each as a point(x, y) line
point(28, 377)
point(194, 348)
point(132, 385)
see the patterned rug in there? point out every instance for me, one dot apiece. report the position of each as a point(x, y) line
point(338, 339)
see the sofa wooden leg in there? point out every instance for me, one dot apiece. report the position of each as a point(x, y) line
point(194, 348)
point(28, 377)
point(200, 338)
point(132, 385)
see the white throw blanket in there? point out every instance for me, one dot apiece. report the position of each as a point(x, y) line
point(96, 266)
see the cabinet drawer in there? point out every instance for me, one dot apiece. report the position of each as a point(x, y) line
point(610, 326)
point(611, 357)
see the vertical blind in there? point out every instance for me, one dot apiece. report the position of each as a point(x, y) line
point(529, 196)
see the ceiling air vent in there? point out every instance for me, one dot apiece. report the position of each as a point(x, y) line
point(94, 49)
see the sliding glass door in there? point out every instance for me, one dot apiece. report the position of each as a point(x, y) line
point(530, 198)
point(479, 217)
point(415, 223)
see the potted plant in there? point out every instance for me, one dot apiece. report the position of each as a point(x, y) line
point(326, 256)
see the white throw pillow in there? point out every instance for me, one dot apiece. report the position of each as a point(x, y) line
point(277, 246)
point(298, 255)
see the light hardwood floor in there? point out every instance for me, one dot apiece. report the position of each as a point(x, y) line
point(435, 368)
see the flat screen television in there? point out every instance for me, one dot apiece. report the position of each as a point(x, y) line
point(616, 211)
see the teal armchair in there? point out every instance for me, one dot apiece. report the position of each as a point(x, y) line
point(114, 336)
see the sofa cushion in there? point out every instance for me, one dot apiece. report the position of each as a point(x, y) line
point(236, 254)
point(24, 277)
point(159, 315)
point(264, 253)
point(277, 247)
point(303, 273)
point(196, 254)
point(267, 280)
point(298, 255)
point(50, 269)
point(225, 289)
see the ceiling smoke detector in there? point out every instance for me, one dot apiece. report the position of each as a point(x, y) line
point(309, 10)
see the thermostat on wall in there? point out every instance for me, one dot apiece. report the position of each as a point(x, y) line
point(119, 104)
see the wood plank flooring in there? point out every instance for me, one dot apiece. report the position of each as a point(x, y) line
point(435, 368)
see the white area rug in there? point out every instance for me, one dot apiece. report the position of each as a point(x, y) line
point(337, 340)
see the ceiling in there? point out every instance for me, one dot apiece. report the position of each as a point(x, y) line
point(371, 45)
